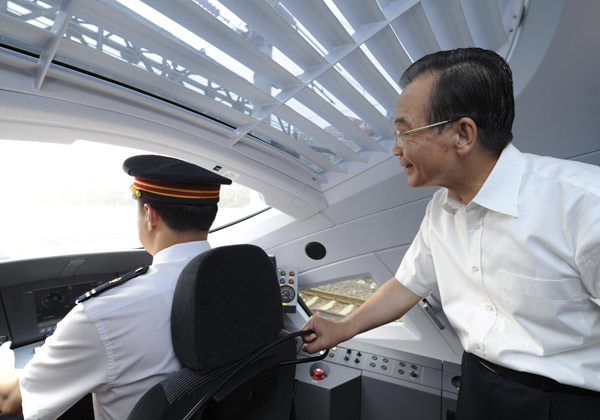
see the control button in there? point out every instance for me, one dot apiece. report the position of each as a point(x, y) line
point(385, 360)
point(291, 281)
point(346, 358)
point(383, 367)
point(331, 354)
point(282, 281)
point(374, 357)
point(475, 269)
point(413, 374)
point(372, 364)
point(348, 351)
point(401, 372)
point(414, 367)
point(292, 274)
point(282, 273)
point(359, 354)
point(318, 374)
point(402, 364)
point(357, 360)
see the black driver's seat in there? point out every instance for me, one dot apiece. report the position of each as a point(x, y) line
point(227, 331)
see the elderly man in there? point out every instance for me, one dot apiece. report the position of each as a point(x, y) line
point(512, 240)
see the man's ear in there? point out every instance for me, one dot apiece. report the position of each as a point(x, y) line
point(466, 138)
point(152, 217)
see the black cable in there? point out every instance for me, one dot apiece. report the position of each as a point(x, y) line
point(200, 404)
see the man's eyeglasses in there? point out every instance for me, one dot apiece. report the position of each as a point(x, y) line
point(398, 134)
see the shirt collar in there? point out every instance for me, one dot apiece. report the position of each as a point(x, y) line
point(181, 251)
point(500, 191)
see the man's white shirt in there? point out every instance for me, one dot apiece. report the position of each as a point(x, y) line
point(518, 268)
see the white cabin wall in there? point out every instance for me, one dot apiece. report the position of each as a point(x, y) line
point(557, 108)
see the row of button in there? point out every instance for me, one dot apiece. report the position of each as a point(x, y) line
point(283, 275)
point(375, 363)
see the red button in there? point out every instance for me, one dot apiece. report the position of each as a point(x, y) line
point(291, 281)
point(292, 273)
point(318, 374)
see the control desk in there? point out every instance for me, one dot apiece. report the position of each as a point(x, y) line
point(362, 381)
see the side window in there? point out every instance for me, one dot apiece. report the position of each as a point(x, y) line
point(338, 300)
point(237, 202)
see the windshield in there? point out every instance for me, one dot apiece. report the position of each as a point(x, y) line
point(75, 198)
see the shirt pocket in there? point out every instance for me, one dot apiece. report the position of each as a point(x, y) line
point(513, 285)
point(549, 311)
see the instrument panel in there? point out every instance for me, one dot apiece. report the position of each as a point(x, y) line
point(36, 294)
point(288, 286)
point(33, 310)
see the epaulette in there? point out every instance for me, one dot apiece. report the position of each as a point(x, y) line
point(113, 283)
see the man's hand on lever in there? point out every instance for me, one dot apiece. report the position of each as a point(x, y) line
point(326, 334)
point(391, 301)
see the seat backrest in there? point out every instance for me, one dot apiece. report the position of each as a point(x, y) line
point(226, 306)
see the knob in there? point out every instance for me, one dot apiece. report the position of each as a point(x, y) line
point(318, 374)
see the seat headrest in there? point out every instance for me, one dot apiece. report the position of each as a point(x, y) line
point(226, 304)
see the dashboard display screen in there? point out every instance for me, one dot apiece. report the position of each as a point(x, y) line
point(53, 303)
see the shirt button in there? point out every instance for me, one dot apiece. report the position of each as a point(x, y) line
point(489, 307)
point(475, 226)
point(475, 346)
point(475, 269)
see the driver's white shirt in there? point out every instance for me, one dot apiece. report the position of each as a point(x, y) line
point(116, 345)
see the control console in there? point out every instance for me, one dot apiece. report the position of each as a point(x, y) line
point(377, 383)
point(393, 367)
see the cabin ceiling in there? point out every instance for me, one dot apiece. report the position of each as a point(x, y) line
point(293, 98)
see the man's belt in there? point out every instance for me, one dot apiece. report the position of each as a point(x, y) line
point(536, 381)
